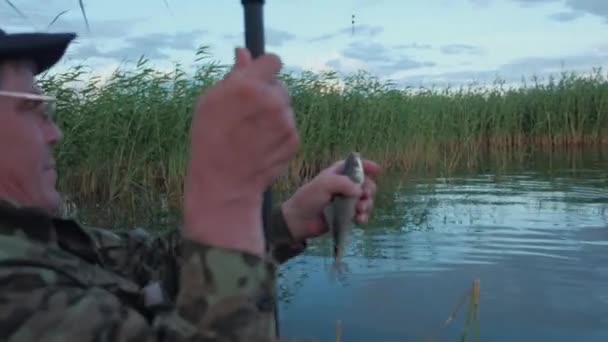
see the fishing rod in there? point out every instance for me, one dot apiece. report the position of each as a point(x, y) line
point(254, 42)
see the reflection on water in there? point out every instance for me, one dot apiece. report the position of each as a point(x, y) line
point(534, 232)
point(537, 241)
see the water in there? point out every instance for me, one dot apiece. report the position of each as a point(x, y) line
point(537, 238)
point(534, 230)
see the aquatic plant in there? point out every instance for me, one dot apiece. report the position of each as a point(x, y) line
point(128, 134)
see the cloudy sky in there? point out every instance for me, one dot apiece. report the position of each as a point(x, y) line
point(409, 41)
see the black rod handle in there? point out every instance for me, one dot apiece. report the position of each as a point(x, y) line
point(254, 42)
point(254, 26)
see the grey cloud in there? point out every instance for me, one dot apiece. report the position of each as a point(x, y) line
point(84, 44)
point(481, 3)
point(516, 70)
point(367, 51)
point(99, 29)
point(565, 16)
point(382, 69)
point(272, 37)
point(87, 51)
point(379, 59)
point(178, 41)
point(365, 30)
point(278, 37)
point(153, 46)
point(288, 69)
point(400, 64)
point(368, 3)
point(323, 37)
point(594, 7)
point(106, 29)
point(359, 32)
point(335, 64)
point(531, 65)
point(453, 49)
point(450, 49)
point(414, 46)
point(275, 37)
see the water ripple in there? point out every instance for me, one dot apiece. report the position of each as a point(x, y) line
point(538, 244)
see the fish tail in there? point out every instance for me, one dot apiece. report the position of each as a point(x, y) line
point(336, 250)
point(339, 268)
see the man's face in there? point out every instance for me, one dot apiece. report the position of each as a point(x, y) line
point(27, 134)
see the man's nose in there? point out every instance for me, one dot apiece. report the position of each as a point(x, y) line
point(53, 133)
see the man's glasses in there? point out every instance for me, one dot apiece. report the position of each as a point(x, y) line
point(45, 103)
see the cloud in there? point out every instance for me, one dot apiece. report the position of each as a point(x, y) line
point(454, 49)
point(400, 64)
point(481, 3)
point(36, 21)
point(277, 38)
point(106, 29)
point(565, 16)
point(414, 46)
point(369, 3)
point(272, 37)
point(153, 46)
point(84, 45)
point(377, 59)
point(369, 51)
point(289, 69)
point(514, 71)
point(344, 66)
point(359, 31)
point(450, 49)
point(578, 7)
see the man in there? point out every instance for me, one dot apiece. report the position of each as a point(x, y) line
point(212, 281)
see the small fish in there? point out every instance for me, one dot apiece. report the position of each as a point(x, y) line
point(340, 212)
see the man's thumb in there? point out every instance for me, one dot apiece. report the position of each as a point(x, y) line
point(242, 58)
point(342, 185)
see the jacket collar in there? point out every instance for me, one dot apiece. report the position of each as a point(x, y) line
point(36, 225)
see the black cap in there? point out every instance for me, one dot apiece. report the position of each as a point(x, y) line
point(44, 49)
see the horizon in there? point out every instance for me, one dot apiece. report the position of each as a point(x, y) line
point(426, 43)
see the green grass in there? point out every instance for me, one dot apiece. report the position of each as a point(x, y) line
point(128, 136)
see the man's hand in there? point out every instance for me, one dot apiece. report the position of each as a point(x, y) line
point(304, 210)
point(243, 137)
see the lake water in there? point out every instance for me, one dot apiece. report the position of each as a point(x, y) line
point(533, 230)
point(536, 236)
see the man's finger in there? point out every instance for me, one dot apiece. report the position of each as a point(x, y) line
point(336, 167)
point(365, 205)
point(265, 67)
point(369, 187)
point(242, 58)
point(371, 168)
point(362, 218)
point(283, 91)
point(339, 184)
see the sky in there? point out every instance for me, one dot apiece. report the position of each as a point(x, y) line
point(411, 43)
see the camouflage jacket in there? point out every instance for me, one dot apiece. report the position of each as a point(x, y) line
point(62, 282)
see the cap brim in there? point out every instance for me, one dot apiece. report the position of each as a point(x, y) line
point(44, 49)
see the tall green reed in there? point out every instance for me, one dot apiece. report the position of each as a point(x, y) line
point(128, 135)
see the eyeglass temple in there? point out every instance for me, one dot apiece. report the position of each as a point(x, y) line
point(27, 95)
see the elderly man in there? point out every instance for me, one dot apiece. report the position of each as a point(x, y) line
point(211, 281)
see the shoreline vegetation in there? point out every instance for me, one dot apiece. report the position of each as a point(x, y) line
point(128, 136)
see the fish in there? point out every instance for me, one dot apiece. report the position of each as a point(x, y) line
point(340, 212)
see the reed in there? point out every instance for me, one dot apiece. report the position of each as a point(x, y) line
point(128, 135)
